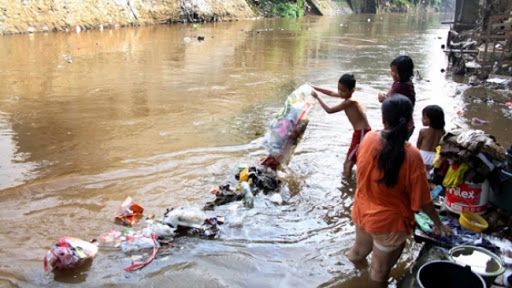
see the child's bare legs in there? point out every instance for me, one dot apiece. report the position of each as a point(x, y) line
point(361, 248)
point(347, 169)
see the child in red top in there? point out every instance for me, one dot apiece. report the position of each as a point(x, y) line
point(402, 70)
point(355, 113)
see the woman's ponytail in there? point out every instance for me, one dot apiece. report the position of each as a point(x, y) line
point(397, 114)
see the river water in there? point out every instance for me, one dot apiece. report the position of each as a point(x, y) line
point(88, 119)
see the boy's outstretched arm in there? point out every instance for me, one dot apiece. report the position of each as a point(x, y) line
point(328, 109)
point(326, 91)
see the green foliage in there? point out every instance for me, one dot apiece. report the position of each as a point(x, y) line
point(401, 3)
point(436, 3)
point(286, 8)
point(405, 3)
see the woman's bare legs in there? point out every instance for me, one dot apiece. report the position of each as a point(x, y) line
point(361, 248)
point(383, 259)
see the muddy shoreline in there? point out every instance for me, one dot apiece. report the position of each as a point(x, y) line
point(30, 16)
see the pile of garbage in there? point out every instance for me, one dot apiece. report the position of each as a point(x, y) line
point(466, 168)
point(70, 253)
point(285, 131)
point(250, 181)
point(473, 174)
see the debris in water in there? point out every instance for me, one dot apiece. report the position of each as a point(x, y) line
point(477, 121)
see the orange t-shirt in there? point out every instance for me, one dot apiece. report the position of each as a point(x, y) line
point(380, 209)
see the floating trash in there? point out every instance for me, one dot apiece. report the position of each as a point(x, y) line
point(69, 253)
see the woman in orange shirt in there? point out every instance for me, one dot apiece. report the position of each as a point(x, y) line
point(391, 187)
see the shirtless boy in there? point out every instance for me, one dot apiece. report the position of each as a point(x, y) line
point(355, 114)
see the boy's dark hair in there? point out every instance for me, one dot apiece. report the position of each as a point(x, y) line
point(405, 67)
point(348, 80)
point(436, 116)
point(396, 112)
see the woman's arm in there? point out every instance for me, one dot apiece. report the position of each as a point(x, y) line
point(439, 228)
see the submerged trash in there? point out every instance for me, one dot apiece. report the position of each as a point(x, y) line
point(193, 221)
point(276, 199)
point(477, 121)
point(110, 237)
point(69, 253)
point(68, 58)
point(258, 178)
point(223, 195)
point(130, 212)
point(248, 196)
point(161, 230)
point(190, 217)
point(137, 242)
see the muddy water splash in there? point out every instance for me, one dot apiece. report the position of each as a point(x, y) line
point(161, 115)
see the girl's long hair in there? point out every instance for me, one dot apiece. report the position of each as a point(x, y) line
point(396, 113)
point(404, 66)
point(436, 116)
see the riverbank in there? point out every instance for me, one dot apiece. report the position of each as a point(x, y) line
point(30, 16)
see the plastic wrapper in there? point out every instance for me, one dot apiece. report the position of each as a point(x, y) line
point(69, 253)
point(138, 242)
point(190, 217)
point(130, 212)
point(287, 128)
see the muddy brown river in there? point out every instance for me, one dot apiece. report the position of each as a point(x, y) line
point(88, 119)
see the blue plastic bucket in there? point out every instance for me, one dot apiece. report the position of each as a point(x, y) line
point(443, 273)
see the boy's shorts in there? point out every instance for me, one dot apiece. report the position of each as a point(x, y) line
point(357, 137)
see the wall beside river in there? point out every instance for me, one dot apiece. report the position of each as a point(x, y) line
point(38, 16)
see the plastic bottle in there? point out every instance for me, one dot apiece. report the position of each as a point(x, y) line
point(137, 244)
point(248, 196)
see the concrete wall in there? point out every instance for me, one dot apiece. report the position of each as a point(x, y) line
point(330, 8)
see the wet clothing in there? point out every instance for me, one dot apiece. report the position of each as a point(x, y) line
point(404, 88)
point(357, 137)
point(385, 242)
point(428, 157)
point(379, 209)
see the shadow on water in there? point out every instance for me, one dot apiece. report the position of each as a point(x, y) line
point(88, 119)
